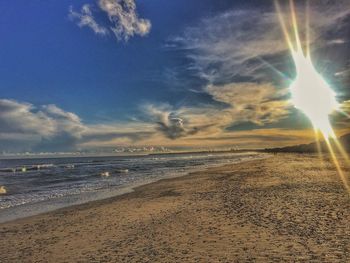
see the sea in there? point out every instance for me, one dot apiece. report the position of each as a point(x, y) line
point(32, 186)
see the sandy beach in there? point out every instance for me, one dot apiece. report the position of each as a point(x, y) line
point(289, 207)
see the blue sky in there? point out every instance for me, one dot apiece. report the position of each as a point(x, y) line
point(103, 74)
point(46, 58)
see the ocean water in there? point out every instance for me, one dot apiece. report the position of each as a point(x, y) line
point(33, 186)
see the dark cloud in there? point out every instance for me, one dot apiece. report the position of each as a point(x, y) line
point(170, 123)
point(174, 128)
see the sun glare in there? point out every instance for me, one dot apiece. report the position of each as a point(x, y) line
point(310, 93)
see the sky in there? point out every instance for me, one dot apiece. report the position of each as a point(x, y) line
point(100, 75)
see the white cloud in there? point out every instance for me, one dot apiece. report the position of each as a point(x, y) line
point(237, 53)
point(85, 18)
point(30, 126)
point(230, 45)
point(25, 127)
point(337, 41)
point(123, 17)
point(16, 117)
point(259, 104)
point(251, 102)
point(48, 128)
point(67, 122)
point(125, 20)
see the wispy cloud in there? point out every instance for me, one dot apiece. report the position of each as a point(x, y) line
point(336, 41)
point(86, 19)
point(242, 58)
point(123, 17)
point(259, 104)
point(24, 126)
point(232, 46)
point(48, 128)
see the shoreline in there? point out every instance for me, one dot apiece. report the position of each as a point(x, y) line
point(48, 206)
point(285, 208)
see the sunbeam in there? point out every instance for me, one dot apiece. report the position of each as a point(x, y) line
point(310, 93)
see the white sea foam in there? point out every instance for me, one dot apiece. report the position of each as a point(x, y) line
point(105, 174)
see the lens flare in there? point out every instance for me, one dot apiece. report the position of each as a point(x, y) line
point(310, 93)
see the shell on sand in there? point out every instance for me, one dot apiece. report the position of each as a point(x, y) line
point(2, 190)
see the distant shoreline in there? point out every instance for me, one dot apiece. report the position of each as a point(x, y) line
point(17, 157)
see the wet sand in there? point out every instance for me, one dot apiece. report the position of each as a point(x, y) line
point(289, 207)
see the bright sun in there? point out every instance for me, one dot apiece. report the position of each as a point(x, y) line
point(312, 95)
point(310, 92)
